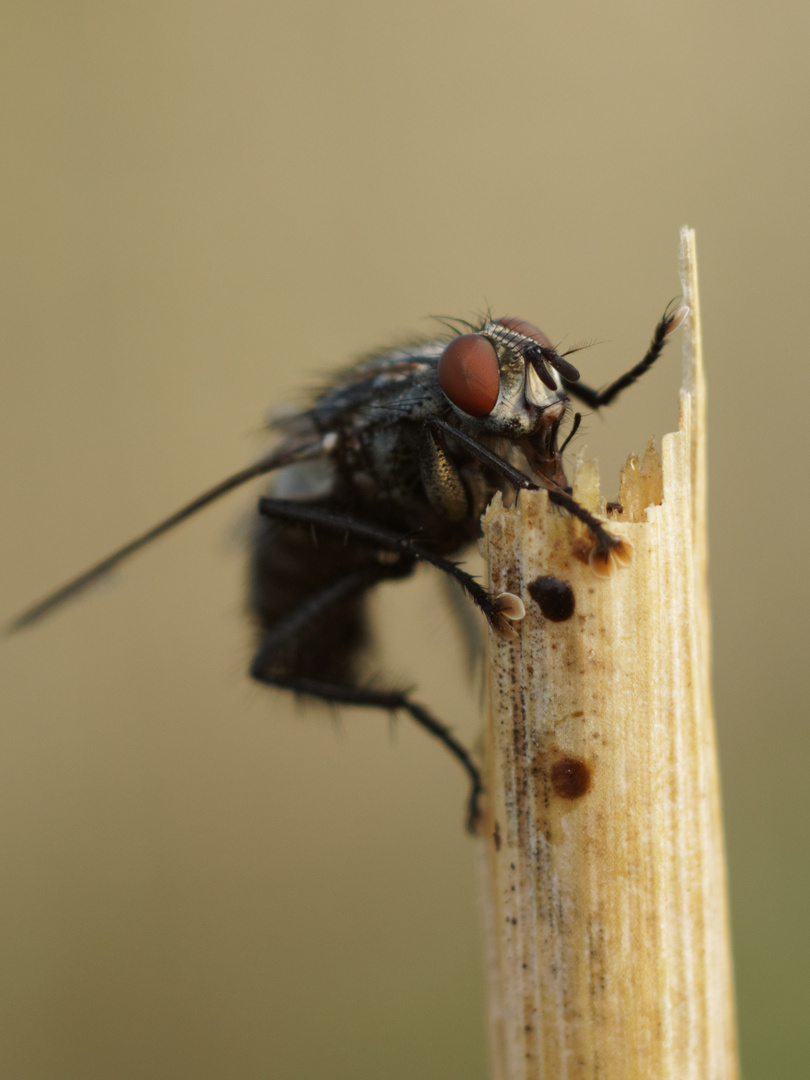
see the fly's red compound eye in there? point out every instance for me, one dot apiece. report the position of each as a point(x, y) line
point(468, 374)
point(529, 330)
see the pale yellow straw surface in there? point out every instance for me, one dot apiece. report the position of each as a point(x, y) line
point(605, 888)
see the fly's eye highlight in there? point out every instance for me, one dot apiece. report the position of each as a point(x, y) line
point(469, 376)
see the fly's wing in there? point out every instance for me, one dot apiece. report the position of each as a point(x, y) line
point(289, 452)
point(381, 386)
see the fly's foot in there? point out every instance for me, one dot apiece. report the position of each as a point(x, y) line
point(507, 608)
point(474, 815)
point(606, 558)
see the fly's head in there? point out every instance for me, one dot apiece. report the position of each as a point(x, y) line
point(507, 379)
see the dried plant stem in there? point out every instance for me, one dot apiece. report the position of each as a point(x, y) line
point(605, 888)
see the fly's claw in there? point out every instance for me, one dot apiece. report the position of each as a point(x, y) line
point(672, 321)
point(507, 608)
point(606, 559)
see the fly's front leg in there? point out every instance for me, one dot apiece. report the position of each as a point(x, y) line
point(440, 429)
point(595, 399)
point(448, 492)
point(608, 548)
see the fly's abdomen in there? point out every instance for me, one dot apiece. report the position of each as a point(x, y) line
point(303, 631)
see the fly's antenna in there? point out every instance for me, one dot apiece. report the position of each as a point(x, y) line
point(277, 459)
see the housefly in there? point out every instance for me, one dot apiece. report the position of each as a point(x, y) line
point(390, 466)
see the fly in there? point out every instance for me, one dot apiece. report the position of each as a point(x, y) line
point(390, 466)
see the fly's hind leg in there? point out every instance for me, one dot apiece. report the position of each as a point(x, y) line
point(270, 666)
point(392, 701)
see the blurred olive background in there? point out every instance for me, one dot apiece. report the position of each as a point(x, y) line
point(207, 207)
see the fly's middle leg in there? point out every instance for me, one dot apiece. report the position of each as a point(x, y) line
point(499, 611)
